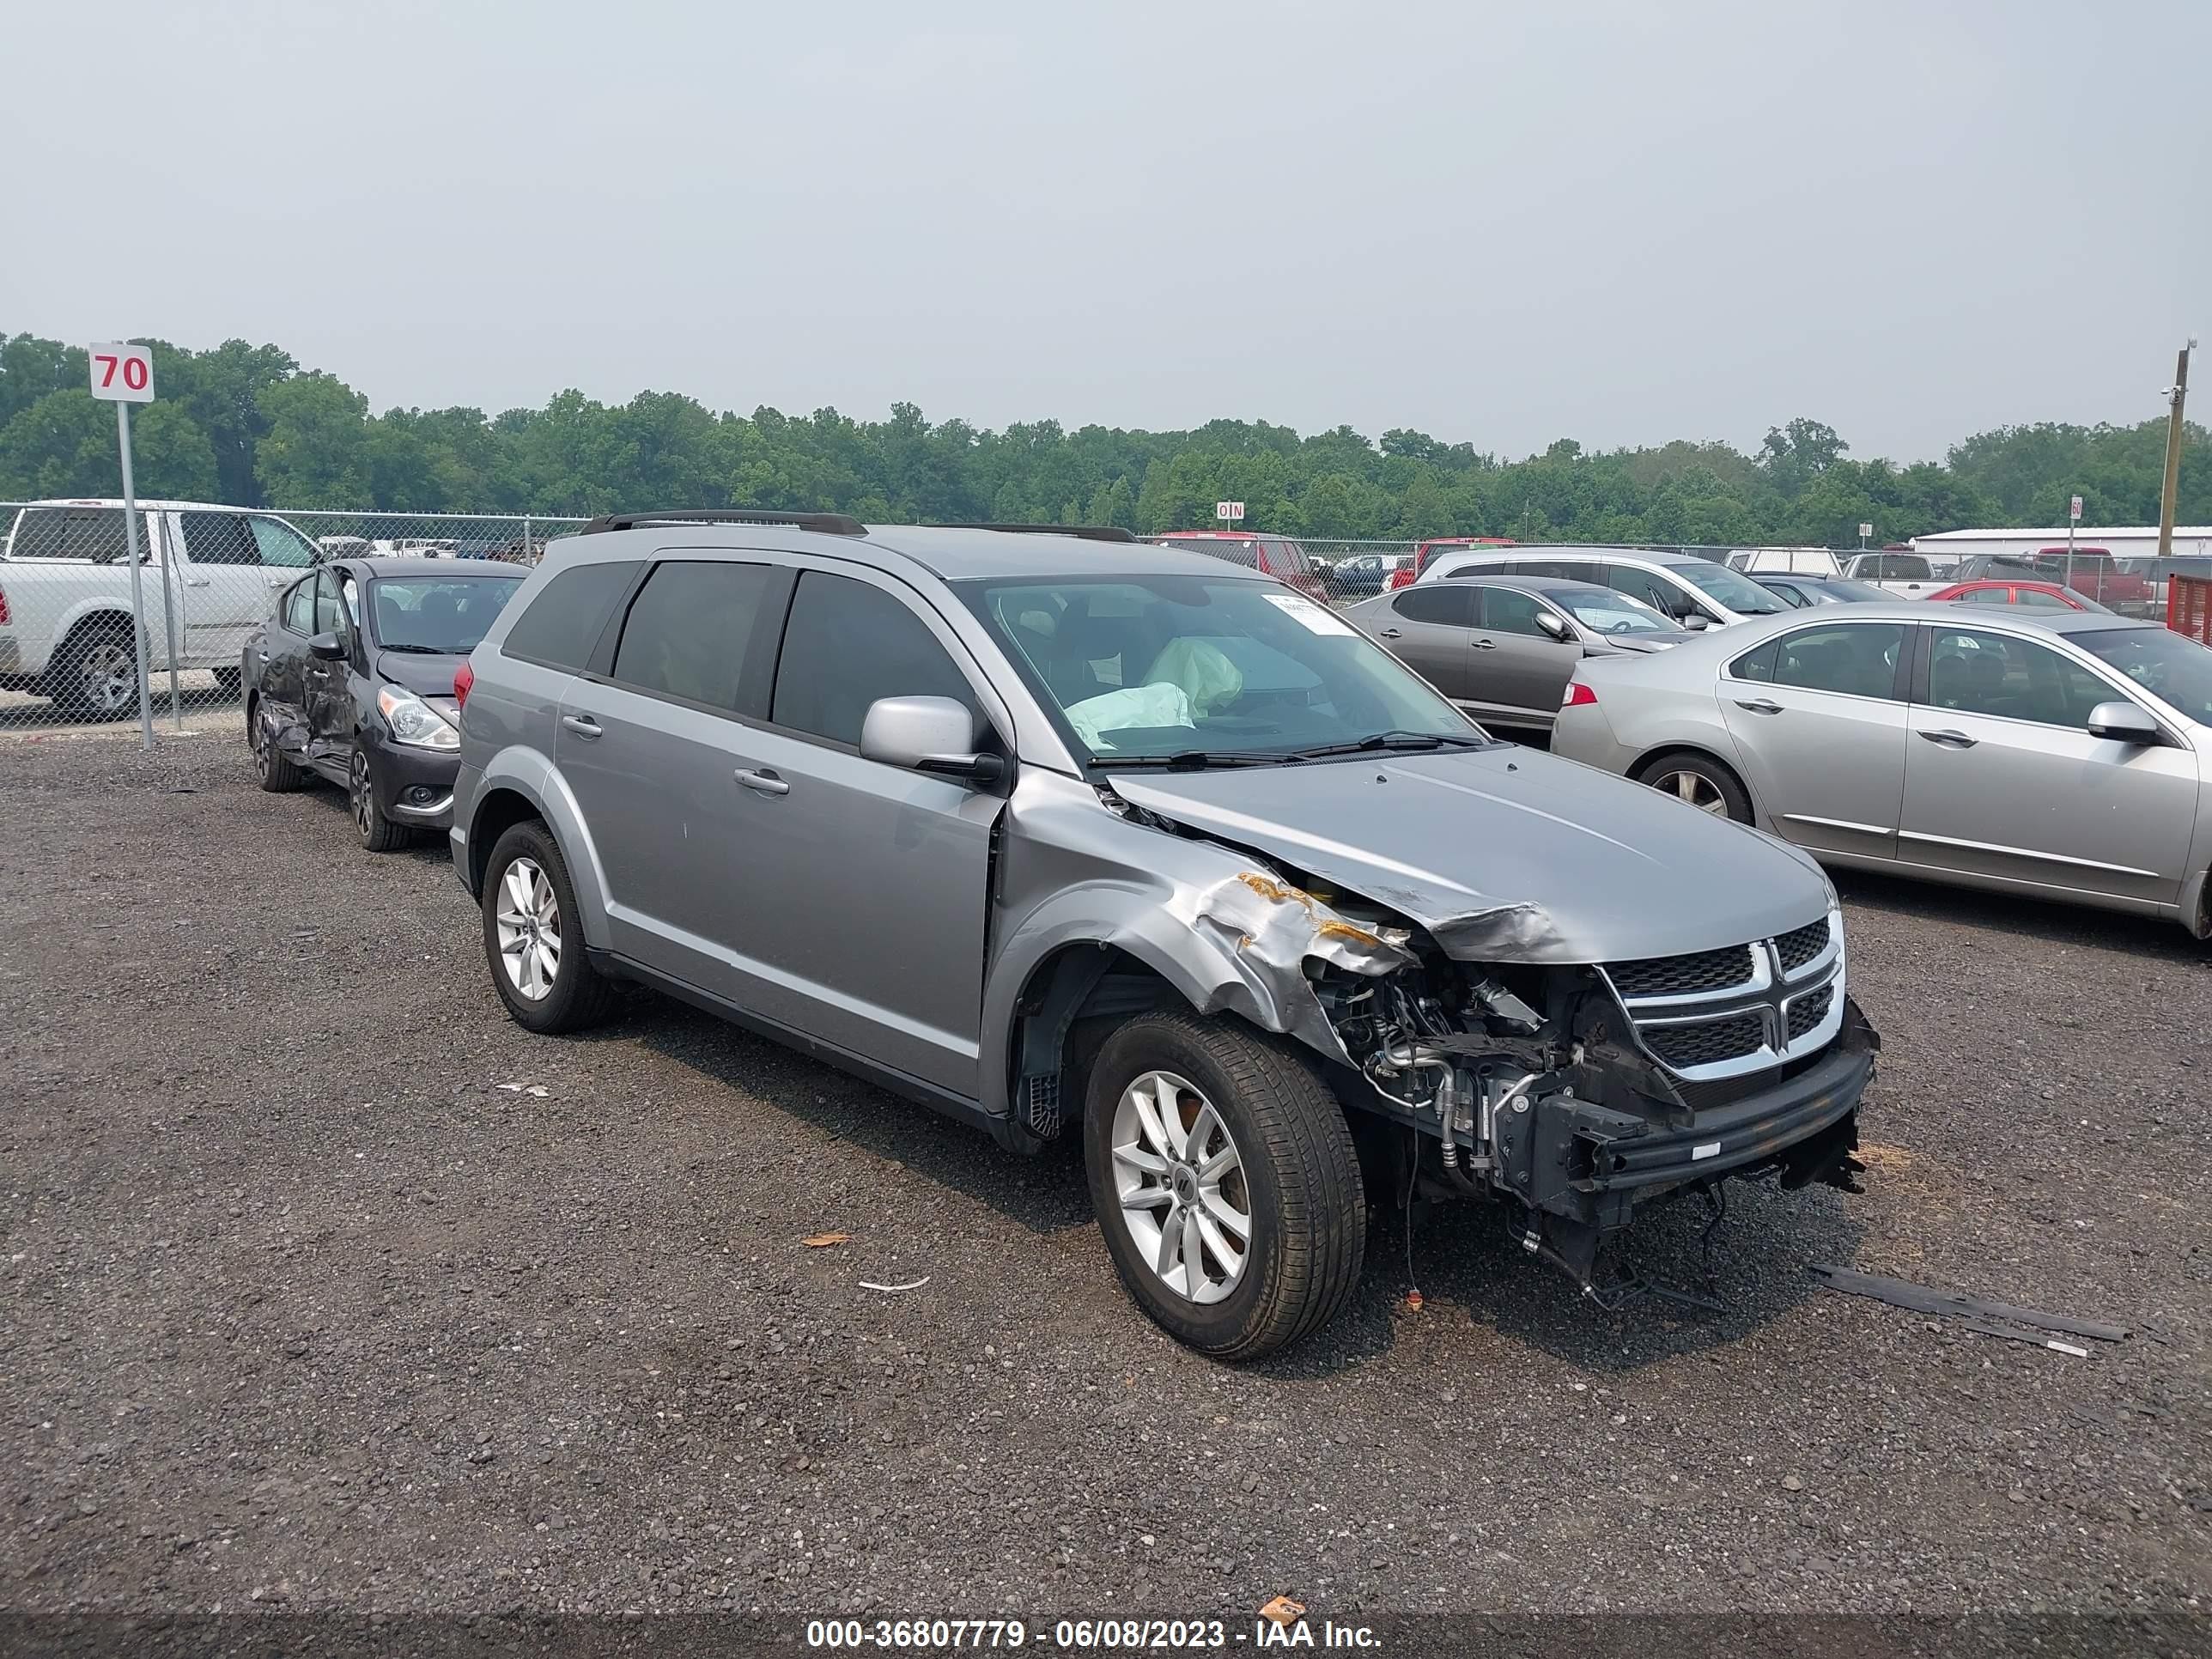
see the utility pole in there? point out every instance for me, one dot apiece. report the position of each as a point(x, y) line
point(2177, 395)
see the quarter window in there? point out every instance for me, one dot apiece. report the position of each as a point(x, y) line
point(690, 630)
point(1446, 607)
point(847, 644)
point(1978, 673)
point(564, 622)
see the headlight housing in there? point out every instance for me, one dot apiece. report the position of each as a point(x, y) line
point(412, 722)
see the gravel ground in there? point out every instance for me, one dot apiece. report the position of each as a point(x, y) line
point(299, 1306)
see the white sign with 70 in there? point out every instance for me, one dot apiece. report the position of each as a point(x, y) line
point(122, 372)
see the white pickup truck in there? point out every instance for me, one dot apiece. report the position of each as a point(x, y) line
point(1908, 576)
point(65, 595)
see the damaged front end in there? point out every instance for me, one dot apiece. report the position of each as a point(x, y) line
point(1576, 1092)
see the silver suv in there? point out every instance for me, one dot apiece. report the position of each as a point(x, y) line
point(1055, 830)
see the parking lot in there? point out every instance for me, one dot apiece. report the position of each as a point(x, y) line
point(304, 1306)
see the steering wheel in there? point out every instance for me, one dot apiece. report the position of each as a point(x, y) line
point(1624, 626)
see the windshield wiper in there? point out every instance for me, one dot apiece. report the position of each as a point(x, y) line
point(426, 650)
point(1396, 741)
point(1195, 760)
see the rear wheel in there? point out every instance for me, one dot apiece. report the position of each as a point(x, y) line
point(1697, 781)
point(534, 938)
point(97, 677)
point(1225, 1182)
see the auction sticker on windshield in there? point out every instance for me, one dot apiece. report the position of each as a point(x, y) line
point(1307, 614)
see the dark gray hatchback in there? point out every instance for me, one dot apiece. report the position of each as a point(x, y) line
point(1055, 830)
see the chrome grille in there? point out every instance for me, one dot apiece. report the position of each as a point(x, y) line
point(1678, 976)
point(1800, 946)
point(1708, 1016)
point(1709, 1042)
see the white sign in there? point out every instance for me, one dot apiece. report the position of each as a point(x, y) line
point(122, 372)
point(1230, 512)
point(1865, 530)
point(2073, 511)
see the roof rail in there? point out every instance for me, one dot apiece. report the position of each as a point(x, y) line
point(826, 523)
point(1088, 533)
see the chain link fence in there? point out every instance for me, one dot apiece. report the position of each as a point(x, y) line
point(206, 577)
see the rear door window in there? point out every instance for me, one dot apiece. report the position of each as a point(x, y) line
point(1857, 659)
point(1563, 569)
point(1435, 602)
point(848, 644)
point(563, 623)
point(692, 630)
point(221, 539)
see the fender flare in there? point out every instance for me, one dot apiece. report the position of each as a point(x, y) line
point(520, 770)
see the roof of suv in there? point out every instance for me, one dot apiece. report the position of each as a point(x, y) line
point(1567, 550)
point(949, 552)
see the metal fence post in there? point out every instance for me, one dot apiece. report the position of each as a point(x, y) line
point(172, 596)
point(526, 559)
point(145, 641)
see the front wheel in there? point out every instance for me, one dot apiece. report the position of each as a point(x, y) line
point(378, 833)
point(1225, 1182)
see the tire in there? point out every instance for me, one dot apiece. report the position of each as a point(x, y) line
point(1295, 1172)
point(278, 776)
point(1698, 781)
point(576, 995)
point(378, 833)
point(96, 676)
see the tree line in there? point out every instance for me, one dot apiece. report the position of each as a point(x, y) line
point(246, 424)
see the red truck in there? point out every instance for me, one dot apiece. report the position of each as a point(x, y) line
point(1274, 555)
point(2097, 574)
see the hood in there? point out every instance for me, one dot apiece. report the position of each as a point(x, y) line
point(426, 676)
point(1507, 854)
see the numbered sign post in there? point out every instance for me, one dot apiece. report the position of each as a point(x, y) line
point(1229, 512)
point(122, 374)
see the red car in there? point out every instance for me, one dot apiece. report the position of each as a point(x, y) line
point(1407, 575)
point(2041, 596)
point(1274, 555)
point(2097, 575)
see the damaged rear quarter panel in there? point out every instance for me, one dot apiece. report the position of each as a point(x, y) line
point(1229, 933)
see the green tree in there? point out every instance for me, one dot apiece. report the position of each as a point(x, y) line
point(315, 451)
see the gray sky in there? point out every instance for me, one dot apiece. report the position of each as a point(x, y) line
point(1622, 223)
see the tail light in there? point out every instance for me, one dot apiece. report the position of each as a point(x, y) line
point(1577, 693)
point(1401, 577)
point(464, 677)
point(3, 607)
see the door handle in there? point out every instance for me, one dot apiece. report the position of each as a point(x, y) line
point(1759, 706)
point(764, 782)
point(1951, 739)
point(1388, 633)
point(582, 725)
point(1486, 644)
point(195, 581)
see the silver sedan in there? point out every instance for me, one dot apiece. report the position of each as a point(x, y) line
point(2056, 753)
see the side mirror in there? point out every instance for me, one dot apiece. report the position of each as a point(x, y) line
point(1554, 626)
point(1696, 621)
point(927, 734)
point(329, 647)
point(2122, 722)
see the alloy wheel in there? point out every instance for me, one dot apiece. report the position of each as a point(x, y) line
point(108, 673)
point(1694, 789)
point(529, 923)
point(362, 795)
point(1181, 1185)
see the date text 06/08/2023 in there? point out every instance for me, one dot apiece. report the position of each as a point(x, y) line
point(1277, 1628)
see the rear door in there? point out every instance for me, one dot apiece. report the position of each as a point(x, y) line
point(280, 667)
point(1519, 671)
point(226, 591)
point(1819, 719)
point(2003, 780)
point(1431, 627)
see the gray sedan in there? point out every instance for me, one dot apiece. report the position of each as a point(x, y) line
point(2057, 753)
point(1504, 647)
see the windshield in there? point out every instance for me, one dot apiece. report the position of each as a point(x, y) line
point(1738, 592)
point(1613, 613)
point(1188, 667)
point(2171, 667)
point(447, 616)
